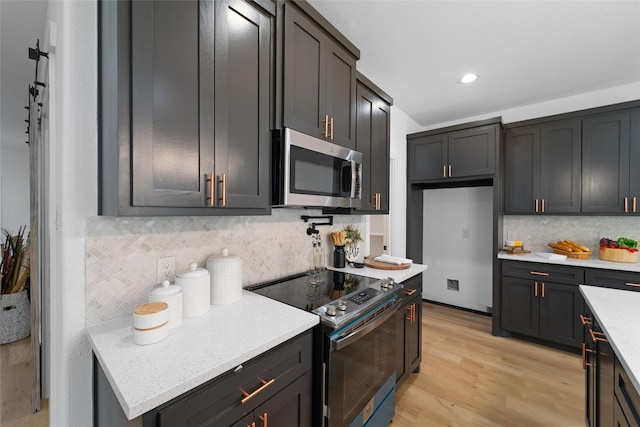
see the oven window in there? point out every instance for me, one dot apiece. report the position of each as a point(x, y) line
point(358, 371)
point(317, 173)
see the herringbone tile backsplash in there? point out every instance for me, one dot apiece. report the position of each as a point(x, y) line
point(122, 253)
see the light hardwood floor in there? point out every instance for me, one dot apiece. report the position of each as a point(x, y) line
point(15, 387)
point(470, 378)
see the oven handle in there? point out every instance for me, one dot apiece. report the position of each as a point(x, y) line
point(339, 344)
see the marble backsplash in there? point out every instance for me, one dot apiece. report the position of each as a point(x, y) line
point(536, 231)
point(122, 253)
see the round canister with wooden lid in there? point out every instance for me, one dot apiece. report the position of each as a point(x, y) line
point(150, 323)
point(196, 290)
point(226, 277)
point(172, 295)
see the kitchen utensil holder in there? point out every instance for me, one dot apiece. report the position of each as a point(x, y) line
point(338, 257)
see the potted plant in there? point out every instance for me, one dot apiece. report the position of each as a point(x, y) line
point(15, 313)
point(352, 242)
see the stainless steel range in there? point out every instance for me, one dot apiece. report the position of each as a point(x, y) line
point(355, 345)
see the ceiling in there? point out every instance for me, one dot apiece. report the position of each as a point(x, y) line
point(524, 51)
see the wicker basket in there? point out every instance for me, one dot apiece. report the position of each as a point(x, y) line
point(15, 317)
point(576, 255)
point(618, 255)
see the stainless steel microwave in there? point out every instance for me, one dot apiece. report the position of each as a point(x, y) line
point(311, 172)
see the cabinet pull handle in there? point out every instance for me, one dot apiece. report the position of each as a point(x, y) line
point(212, 185)
point(444, 171)
point(536, 205)
point(378, 203)
point(597, 336)
point(410, 309)
point(635, 285)
point(634, 204)
point(332, 128)
point(259, 390)
point(264, 420)
point(626, 204)
point(585, 350)
point(326, 126)
point(535, 289)
point(449, 171)
point(223, 181)
point(542, 205)
point(411, 292)
point(586, 320)
point(539, 273)
point(542, 289)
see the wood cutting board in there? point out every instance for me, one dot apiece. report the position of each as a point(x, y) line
point(370, 262)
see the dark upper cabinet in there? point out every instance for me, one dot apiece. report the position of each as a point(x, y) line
point(175, 80)
point(464, 153)
point(373, 141)
point(543, 168)
point(319, 81)
point(610, 156)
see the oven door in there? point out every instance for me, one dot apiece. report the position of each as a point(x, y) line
point(361, 372)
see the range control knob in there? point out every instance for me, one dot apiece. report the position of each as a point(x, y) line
point(331, 310)
point(342, 305)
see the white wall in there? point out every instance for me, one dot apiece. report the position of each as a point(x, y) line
point(15, 188)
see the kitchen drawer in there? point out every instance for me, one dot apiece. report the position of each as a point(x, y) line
point(613, 279)
point(219, 401)
point(627, 396)
point(543, 272)
point(412, 287)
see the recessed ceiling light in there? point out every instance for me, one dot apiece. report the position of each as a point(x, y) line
point(469, 78)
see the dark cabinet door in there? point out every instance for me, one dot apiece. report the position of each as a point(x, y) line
point(560, 309)
point(634, 159)
point(372, 140)
point(427, 157)
point(605, 163)
point(520, 305)
point(319, 81)
point(290, 407)
point(409, 338)
point(341, 95)
point(472, 152)
point(171, 117)
point(522, 171)
point(605, 382)
point(304, 82)
point(242, 103)
point(560, 167)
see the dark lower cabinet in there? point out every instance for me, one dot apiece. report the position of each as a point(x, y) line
point(176, 136)
point(534, 306)
point(276, 383)
point(409, 330)
point(626, 401)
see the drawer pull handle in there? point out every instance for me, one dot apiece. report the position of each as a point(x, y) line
point(264, 420)
point(635, 285)
point(597, 336)
point(411, 292)
point(248, 396)
point(538, 273)
point(586, 320)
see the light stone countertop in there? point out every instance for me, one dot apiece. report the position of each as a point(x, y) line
point(200, 349)
point(617, 314)
point(397, 275)
point(593, 262)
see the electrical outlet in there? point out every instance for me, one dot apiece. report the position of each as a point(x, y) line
point(166, 269)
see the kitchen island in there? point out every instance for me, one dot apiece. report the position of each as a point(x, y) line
point(199, 350)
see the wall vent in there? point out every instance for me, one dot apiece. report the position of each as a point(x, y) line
point(453, 285)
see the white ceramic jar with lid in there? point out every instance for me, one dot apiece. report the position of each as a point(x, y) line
point(196, 290)
point(172, 295)
point(226, 277)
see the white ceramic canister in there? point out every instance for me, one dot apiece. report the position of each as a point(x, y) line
point(196, 290)
point(226, 277)
point(150, 323)
point(172, 295)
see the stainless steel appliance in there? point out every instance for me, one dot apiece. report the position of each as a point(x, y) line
point(311, 172)
point(354, 345)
